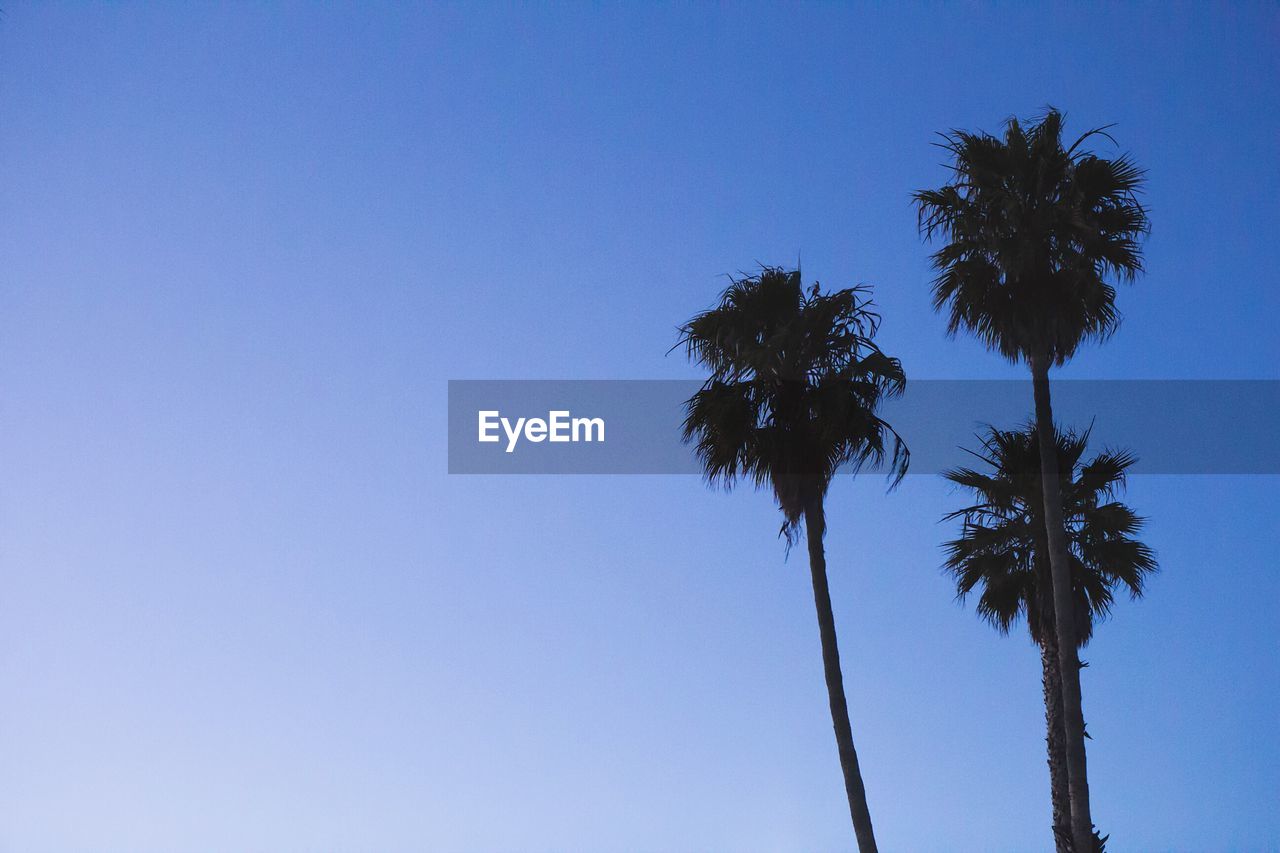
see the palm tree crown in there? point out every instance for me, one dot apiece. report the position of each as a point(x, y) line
point(795, 382)
point(1035, 229)
point(1001, 551)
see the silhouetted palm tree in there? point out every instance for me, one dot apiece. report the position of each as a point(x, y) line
point(1035, 232)
point(795, 383)
point(1002, 555)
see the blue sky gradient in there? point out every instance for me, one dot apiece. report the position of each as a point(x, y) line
point(245, 608)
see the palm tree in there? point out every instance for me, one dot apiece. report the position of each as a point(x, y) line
point(1002, 554)
point(1036, 231)
point(795, 383)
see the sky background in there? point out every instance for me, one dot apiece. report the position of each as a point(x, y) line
point(242, 605)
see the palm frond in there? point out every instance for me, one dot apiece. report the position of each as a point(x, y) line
point(1000, 553)
point(796, 380)
point(1032, 235)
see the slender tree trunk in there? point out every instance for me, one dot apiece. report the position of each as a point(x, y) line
point(815, 527)
point(1055, 742)
point(1063, 606)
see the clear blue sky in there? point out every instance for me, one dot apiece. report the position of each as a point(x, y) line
point(244, 608)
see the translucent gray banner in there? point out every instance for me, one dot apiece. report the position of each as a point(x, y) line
point(633, 426)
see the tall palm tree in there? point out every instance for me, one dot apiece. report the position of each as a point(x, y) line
point(1002, 555)
point(1036, 231)
point(796, 379)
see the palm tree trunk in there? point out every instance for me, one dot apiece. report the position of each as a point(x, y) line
point(1063, 606)
point(815, 527)
point(1055, 742)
